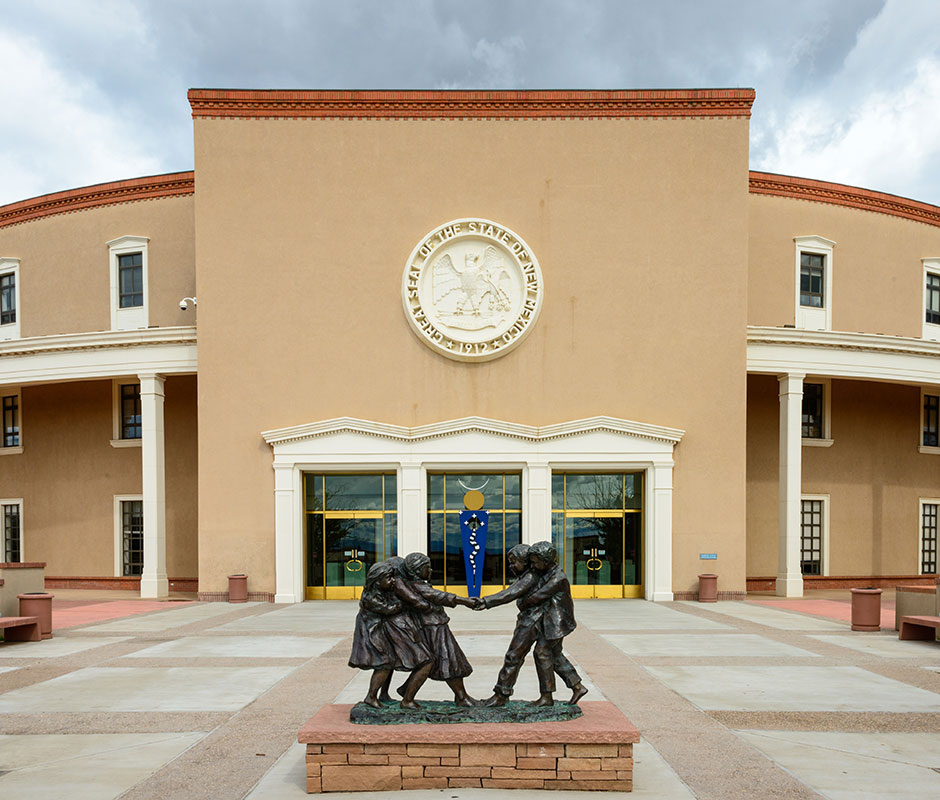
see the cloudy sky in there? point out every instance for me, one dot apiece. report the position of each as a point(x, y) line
point(95, 90)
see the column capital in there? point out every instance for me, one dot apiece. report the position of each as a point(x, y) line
point(151, 382)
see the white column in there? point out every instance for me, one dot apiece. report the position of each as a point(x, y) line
point(288, 547)
point(153, 581)
point(789, 577)
point(412, 511)
point(537, 508)
point(659, 544)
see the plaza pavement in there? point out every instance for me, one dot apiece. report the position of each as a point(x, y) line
point(757, 699)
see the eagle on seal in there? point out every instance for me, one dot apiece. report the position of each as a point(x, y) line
point(480, 283)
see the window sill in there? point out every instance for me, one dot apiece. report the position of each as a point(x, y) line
point(817, 442)
point(126, 442)
point(929, 450)
point(11, 451)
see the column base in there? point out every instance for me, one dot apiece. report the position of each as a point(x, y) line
point(662, 597)
point(789, 586)
point(154, 588)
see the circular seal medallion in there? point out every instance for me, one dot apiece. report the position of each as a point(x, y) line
point(472, 289)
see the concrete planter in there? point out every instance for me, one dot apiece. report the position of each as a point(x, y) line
point(866, 609)
point(708, 588)
point(237, 588)
point(38, 604)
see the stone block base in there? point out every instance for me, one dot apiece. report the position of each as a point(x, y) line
point(594, 752)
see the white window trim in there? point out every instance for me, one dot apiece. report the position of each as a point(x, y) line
point(116, 440)
point(929, 329)
point(824, 550)
point(119, 532)
point(921, 502)
point(128, 318)
point(826, 440)
point(12, 329)
point(921, 447)
point(13, 501)
point(824, 247)
point(9, 391)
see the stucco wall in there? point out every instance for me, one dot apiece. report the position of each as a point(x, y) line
point(877, 278)
point(873, 474)
point(68, 474)
point(640, 229)
point(64, 271)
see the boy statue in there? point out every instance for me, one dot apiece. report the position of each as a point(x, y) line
point(546, 616)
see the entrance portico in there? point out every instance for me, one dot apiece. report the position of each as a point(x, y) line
point(473, 444)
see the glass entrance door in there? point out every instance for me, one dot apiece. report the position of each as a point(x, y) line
point(351, 523)
point(597, 529)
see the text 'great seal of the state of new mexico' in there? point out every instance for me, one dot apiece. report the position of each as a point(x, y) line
point(472, 290)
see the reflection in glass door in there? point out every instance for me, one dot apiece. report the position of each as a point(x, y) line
point(597, 528)
point(351, 523)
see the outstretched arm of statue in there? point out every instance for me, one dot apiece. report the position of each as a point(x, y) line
point(410, 598)
point(523, 584)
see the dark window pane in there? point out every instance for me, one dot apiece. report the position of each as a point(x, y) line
point(933, 299)
point(594, 491)
point(812, 411)
point(928, 553)
point(811, 537)
point(130, 280)
point(132, 524)
point(359, 492)
point(11, 421)
point(11, 533)
point(131, 426)
point(931, 420)
point(7, 299)
point(436, 547)
point(812, 272)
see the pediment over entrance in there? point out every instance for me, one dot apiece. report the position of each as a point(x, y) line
point(478, 425)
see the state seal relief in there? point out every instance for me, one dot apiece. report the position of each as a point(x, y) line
point(471, 289)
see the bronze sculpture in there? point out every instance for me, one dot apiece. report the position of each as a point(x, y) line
point(402, 626)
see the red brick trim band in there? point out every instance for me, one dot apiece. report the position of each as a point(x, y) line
point(841, 195)
point(536, 104)
point(129, 584)
point(101, 194)
point(729, 595)
point(768, 584)
point(222, 597)
point(22, 564)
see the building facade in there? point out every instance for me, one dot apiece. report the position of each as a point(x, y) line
point(581, 304)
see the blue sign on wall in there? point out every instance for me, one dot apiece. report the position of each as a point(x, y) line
point(473, 526)
point(708, 556)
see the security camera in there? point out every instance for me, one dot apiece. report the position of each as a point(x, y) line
point(182, 305)
point(185, 300)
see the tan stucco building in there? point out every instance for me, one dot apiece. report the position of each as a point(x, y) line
point(581, 304)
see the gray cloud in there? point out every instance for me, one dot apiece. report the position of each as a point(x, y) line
point(832, 77)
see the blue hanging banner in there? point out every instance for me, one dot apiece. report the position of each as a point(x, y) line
point(473, 526)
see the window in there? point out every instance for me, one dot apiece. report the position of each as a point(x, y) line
point(813, 542)
point(928, 536)
point(814, 267)
point(812, 272)
point(126, 413)
point(9, 298)
point(130, 411)
point(816, 413)
point(929, 440)
point(10, 433)
point(128, 259)
point(11, 523)
point(931, 325)
point(130, 280)
point(128, 535)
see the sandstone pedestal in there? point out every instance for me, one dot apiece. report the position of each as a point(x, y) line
point(594, 751)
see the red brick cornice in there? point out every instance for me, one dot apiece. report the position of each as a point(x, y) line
point(101, 194)
point(537, 104)
point(841, 195)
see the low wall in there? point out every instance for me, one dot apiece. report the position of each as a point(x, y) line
point(19, 578)
point(593, 752)
point(919, 601)
point(810, 582)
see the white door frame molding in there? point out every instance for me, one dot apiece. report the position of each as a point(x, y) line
point(472, 443)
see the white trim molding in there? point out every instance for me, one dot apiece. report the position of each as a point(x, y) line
point(10, 266)
point(862, 356)
point(102, 354)
point(119, 531)
point(930, 330)
point(346, 444)
point(125, 319)
point(12, 501)
point(805, 316)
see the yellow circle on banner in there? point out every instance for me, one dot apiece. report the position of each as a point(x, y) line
point(473, 500)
